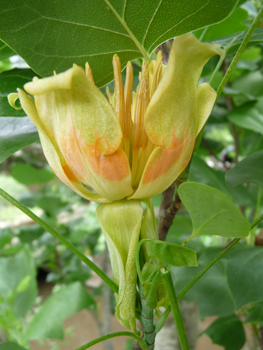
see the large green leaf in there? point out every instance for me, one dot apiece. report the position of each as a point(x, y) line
point(52, 36)
point(232, 24)
point(15, 133)
point(27, 174)
point(48, 322)
point(249, 84)
point(212, 212)
point(245, 275)
point(173, 254)
point(249, 116)
point(201, 172)
point(13, 270)
point(250, 169)
point(211, 292)
point(5, 51)
point(231, 42)
point(8, 345)
point(228, 332)
point(9, 82)
point(256, 314)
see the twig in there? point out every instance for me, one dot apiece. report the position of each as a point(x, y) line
point(168, 209)
point(165, 52)
point(205, 143)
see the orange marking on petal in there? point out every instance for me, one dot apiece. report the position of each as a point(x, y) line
point(113, 167)
point(164, 159)
point(69, 173)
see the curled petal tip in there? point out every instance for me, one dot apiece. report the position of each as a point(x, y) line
point(12, 98)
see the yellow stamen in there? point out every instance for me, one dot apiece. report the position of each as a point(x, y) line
point(127, 129)
point(157, 74)
point(89, 72)
point(110, 97)
point(140, 138)
point(119, 94)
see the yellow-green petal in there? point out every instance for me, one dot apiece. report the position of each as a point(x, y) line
point(174, 111)
point(83, 124)
point(53, 154)
point(163, 168)
point(121, 223)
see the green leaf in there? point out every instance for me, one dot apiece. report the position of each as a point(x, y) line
point(211, 292)
point(212, 212)
point(231, 42)
point(173, 254)
point(245, 275)
point(250, 169)
point(228, 332)
point(15, 133)
point(23, 285)
point(13, 270)
point(11, 346)
point(232, 24)
point(48, 322)
point(249, 84)
point(28, 174)
point(256, 315)
point(249, 116)
point(27, 234)
point(201, 172)
point(5, 237)
point(94, 31)
point(9, 82)
point(5, 51)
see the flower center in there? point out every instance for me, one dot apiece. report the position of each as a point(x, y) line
point(130, 109)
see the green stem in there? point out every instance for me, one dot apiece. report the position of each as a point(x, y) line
point(161, 320)
point(257, 221)
point(239, 52)
point(203, 33)
point(137, 259)
point(218, 66)
point(143, 344)
point(61, 239)
point(175, 310)
point(146, 319)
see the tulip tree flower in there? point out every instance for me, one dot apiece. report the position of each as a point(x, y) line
point(127, 148)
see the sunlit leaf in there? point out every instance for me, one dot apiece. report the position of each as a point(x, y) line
point(48, 322)
point(27, 174)
point(51, 36)
point(13, 270)
point(212, 212)
point(173, 254)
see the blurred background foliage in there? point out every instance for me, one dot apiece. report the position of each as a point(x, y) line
point(29, 255)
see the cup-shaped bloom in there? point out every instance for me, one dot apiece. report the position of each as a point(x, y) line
point(133, 145)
